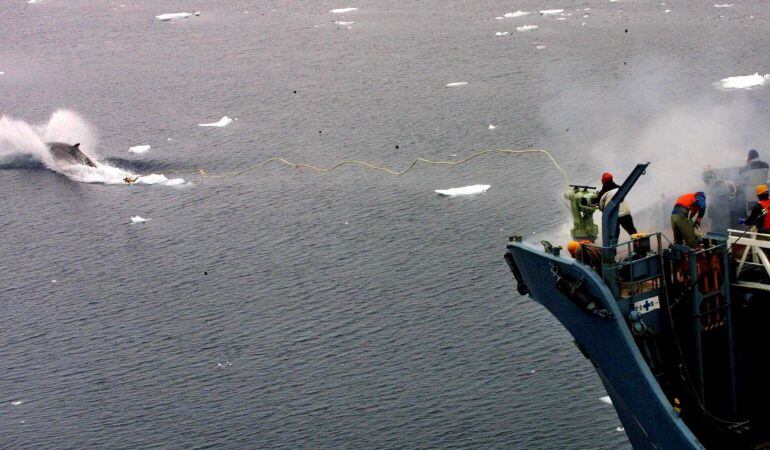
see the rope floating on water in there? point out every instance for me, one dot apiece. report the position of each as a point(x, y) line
point(204, 174)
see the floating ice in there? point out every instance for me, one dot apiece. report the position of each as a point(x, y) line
point(341, 23)
point(550, 12)
point(502, 33)
point(139, 149)
point(561, 18)
point(499, 18)
point(167, 17)
point(606, 399)
point(744, 82)
point(540, 47)
point(342, 10)
point(465, 190)
point(458, 83)
point(138, 219)
point(620, 429)
point(17, 402)
point(667, 11)
point(724, 5)
point(492, 127)
point(527, 28)
point(221, 123)
point(517, 14)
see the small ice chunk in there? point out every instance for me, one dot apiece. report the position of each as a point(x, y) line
point(744, 82)
point(518, 13)
point(492, 127)
point(53, 281)
point(606, 399)
point(724, 5)
point(561, 18)
point(502, 33)
point(139, 149)
point(550, 12)
point(342, 10)
point(526, 28)
point(221, 123)
point(499, 18)
point(667, 11)
point(540, 47)
point(344, 24)
point(465, 190)
point(197, 13)
point(17, 402)
point(457, 83)
point(138, 219)
point(170, 16)
point(620, 429)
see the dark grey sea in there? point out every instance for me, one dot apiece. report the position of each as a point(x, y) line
point(283, 308)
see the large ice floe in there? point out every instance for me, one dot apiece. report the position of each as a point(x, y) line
point(744, 82)
point(465, 190)
point(342, 10)
point(171, 16)
point(139, 149)
point(224, 121)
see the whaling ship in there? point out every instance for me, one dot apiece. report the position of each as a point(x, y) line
point(677, 335)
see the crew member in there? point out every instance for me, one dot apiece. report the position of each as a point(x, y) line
point(688, 207)
point(760, 211)
point(752, 174)
point(585, 252)
point(608, 190)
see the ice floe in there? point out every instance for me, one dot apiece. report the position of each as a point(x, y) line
point(138, 219)
point(551, 12)
point(502, 33)
point(606, 399)
point(724, 5)
point(518, 13)
point(342, 10)
point(458, 83)
point(465, 190)
point(744, 82)
point(342, 23)
point(171, 16)
point(139, 149)
point(221, 123)
point(526, 28)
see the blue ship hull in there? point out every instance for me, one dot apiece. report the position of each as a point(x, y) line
point(649, 419)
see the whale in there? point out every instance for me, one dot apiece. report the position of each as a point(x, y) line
point(70, 154)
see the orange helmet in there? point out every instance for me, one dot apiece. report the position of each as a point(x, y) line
point(573, 247)
point(606, 177)
point(761, 189)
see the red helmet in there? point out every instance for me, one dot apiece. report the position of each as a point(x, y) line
point(606, 177)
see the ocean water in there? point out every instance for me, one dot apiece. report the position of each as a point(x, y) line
point(283, 308)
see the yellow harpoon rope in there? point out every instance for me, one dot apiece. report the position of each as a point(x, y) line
point(204, 174)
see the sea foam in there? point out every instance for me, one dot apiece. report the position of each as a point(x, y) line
point(744, 82)
point(465, 190)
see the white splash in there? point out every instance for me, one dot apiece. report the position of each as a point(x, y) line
point(138, 219)
point(620, 429)
point(139, 149)
point(550, 12)
point(502, 33)
point(17, 402)
point(2, 73)
point(526, 28)
point(458, 83)
point(518, 13)
point(32, 2)
point(540, 47)
point(465, 190)
point(342, 10)
point(667, 11)
point(744, 82)
point(492, 127)
point(724, 5)
point(606, 399)
point(224, 121)
point(170, 16)
point(341, 23)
